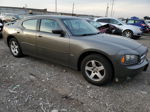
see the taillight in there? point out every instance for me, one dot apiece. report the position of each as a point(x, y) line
point(143, 25)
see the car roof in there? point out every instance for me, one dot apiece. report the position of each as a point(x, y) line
point(136, 19)
point(50, 16)
point(105, 18)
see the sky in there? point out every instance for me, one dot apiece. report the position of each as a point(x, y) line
point(122, 8)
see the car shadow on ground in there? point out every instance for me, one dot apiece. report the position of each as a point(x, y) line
point(1, 37)
point(125, 82)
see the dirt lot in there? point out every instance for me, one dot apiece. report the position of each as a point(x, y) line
point(33, 85)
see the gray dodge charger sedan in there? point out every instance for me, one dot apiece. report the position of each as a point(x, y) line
point(73, 42)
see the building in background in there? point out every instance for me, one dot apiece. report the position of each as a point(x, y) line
point(31, 11)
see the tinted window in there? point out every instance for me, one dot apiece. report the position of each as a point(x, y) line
point(48, 25)
point(103, 20)
point(30, 24)
point(139, 22)
point(130, 22)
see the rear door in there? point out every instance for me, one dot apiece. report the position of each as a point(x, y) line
point(28, 36)
point(52, 46)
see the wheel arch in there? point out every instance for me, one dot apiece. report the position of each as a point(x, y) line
point(127, 30)
point(8, 39)
point(87, 53)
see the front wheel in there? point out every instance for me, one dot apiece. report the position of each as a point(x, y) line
point(15, 47)
point(128, 34)
point(96, 69)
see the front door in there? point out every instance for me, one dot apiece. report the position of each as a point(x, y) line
point(52, 46)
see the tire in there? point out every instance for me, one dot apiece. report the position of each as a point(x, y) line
point(15, 48)
point(128, 34)
point(96, 69)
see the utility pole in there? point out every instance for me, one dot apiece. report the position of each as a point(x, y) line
point(56, 6)
point(107, 9)
point(112, 8)
point(73, 9)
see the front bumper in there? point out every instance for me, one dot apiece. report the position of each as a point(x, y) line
point(138, 34)
point(129, 71)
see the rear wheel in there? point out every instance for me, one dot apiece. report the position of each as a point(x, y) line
point(128, 34)
point(15, 47)
point(96, 69)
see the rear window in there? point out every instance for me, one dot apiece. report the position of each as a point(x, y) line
point(103, 20)
point(113, 21)
point(30, 24)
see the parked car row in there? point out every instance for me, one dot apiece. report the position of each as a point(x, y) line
point(108, 28)
point(132, 28)
point(73, 42)
point(129, 31)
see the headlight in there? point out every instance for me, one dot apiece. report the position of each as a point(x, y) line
point(130, 59)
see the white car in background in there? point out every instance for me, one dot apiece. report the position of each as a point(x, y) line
point(148, 22)
point(129, 31)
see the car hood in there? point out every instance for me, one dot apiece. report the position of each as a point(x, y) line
point(123, 42)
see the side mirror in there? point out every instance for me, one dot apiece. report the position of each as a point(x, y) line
point(61, 32)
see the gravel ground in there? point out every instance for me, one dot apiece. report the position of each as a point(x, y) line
point(33, 85)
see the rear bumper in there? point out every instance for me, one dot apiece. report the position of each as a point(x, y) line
point(129, 71)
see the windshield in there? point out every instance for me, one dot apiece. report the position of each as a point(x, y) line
point(79, 27)
point(122, 22)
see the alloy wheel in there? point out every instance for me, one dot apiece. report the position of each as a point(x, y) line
point(128, 34)
point(14, 48)
point(95, 70)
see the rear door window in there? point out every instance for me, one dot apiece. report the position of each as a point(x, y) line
point(30, 24)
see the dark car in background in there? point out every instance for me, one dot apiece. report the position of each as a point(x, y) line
point(74, 42)
point(1, 27)
point(138, 22)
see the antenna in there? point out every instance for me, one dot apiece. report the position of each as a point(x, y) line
point(56, 6)
point(107, 9)
point(73, 8)
point(112, 8)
